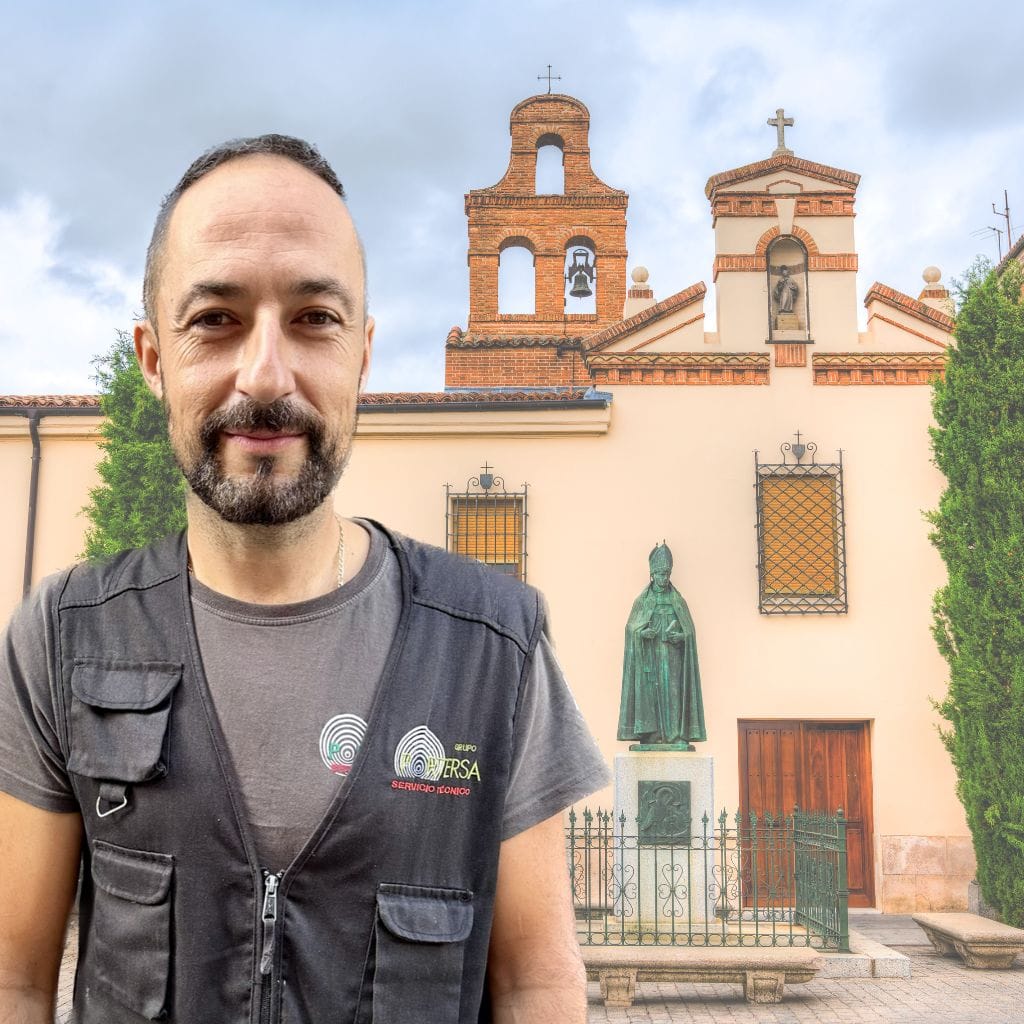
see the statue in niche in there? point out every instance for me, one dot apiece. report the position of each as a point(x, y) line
point(661, 703)
point(785, 292)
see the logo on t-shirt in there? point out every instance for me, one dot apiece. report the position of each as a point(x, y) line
point(339, 742)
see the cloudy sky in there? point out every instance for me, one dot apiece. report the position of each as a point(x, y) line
point(102, 106)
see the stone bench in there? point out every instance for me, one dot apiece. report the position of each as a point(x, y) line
point(763, 972)
point(978, 941)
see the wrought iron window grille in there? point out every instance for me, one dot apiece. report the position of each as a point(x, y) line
point(801, 533)
point(487, 522)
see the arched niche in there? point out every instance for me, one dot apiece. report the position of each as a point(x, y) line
point(788, 299)
point(550, 179)
point(580, 272)
point(517, 278)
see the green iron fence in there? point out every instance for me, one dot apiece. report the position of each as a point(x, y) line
point(746, 881)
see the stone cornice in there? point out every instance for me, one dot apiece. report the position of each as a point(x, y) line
point(574, 200)
point(761, 204)
point(679, 368)
point(845, 368)
point(464, 339)
point(744, 263)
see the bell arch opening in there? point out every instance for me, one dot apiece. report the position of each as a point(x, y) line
point(550, 174)
point(517, 279)
point(580, 275)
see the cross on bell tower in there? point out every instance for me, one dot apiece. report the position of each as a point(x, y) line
point(780, 123)
point(550, 78)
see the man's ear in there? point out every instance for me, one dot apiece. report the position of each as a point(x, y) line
point(147, 351)
point(364, 370)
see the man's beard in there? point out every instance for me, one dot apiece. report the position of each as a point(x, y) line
point(258, 499)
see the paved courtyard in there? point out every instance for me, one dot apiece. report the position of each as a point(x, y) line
point(940, 989)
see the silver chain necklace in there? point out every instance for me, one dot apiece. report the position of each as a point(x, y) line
point(340, 556)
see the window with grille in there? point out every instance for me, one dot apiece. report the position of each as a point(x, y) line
point(488, 523)
point(801, 536)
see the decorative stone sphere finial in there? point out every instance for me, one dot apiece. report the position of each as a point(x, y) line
point(931, 275)
point(640, 275)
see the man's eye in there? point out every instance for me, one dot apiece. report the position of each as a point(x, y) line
point(213, 319)
point(319, 317)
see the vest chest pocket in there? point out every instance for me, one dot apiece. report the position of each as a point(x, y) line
point(130, 933)
point(118, 719)
point(420, 937)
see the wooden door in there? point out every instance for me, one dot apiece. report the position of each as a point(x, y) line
point(818, 766)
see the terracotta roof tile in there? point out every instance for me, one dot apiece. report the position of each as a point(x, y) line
point(688, 296)
point(469, 397)
point(367, 400)
point(780, 163)
point(50, 401)
point(465, 340)
point(912, 307)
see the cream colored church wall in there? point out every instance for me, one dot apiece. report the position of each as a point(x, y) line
point(741, 234)
point(741, 310)
point(833, 310)
point(67, 471)
point(676, 463)
point(830, 234)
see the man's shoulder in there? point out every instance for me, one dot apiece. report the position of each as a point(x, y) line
point(134, 569)
point(469, 589)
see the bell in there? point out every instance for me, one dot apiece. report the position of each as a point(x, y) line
point(581, 273)
point(580, 286)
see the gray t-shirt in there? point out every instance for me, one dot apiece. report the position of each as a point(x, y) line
point(292, 686)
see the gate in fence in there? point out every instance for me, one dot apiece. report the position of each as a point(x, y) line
point(745, 881)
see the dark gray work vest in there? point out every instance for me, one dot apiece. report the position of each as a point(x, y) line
point(385, 914)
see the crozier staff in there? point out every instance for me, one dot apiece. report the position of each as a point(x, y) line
point(314, 769)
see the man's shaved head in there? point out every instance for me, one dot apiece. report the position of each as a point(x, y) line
point(290, 148)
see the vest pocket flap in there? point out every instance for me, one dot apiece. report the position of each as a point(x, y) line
point(126, 686)
point(135, 875)
point(424, 914)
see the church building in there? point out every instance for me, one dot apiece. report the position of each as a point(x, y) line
point(783, 457)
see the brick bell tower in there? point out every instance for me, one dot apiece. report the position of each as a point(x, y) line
point(540, 348)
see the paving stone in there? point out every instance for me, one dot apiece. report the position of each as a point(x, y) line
point(940, 989)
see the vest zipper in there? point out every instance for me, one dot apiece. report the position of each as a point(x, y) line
point(270, 882)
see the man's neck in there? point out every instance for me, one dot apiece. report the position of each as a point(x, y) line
point(272, 564)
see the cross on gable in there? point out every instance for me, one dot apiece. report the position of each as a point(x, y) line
point(550, 78)
point(780, 123)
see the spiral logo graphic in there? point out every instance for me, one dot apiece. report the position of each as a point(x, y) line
point(339, 742)
point(419, 755)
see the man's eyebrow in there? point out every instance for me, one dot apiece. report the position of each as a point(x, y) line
point(206, 290)
point(328, 286)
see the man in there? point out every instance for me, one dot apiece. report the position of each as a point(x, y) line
point(314, 770)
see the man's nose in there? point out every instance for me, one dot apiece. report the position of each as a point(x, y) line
point(265, 373)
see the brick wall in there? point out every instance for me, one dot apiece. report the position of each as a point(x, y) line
point(533, 366)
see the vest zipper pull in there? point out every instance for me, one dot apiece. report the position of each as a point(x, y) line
point(269, 921)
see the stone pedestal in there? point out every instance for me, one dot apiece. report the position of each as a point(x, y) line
point(664, 878)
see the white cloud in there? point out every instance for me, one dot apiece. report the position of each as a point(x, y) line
point(57, 310)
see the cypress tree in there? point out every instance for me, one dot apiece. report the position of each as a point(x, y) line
point(142, 496)
point(979, 614)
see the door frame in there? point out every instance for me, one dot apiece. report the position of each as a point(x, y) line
point(866, 774)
